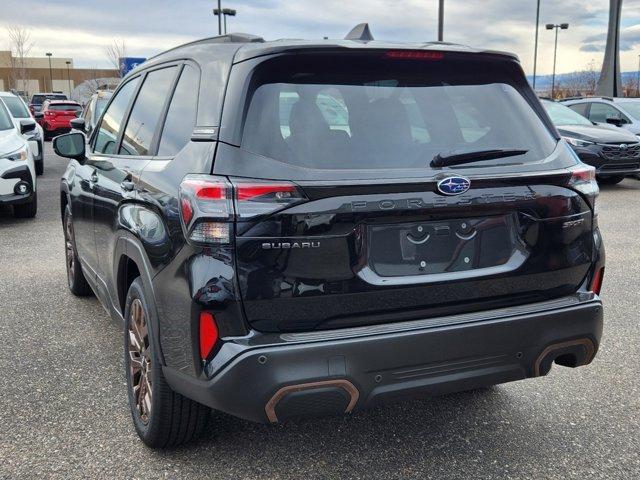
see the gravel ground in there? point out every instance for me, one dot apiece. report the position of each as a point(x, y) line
point(64, 414)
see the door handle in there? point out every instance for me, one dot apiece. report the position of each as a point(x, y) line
point(127, 186)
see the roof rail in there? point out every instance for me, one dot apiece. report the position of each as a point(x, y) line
point(360, 32)
point(227, 38)
point(581, 97)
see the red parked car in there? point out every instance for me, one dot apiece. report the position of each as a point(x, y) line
point(57, 115)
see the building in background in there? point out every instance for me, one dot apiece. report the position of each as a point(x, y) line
point(35, 76)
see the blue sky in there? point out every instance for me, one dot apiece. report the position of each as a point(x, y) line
point(81, 29)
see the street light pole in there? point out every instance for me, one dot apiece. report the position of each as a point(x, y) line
point(638, 79)
point(441, 21)
point(48, 54)
point(535, 48)
point(68, 76)
point(219, 17)
point(551, 26)
point(228, 12)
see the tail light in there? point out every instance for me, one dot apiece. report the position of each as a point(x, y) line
point(208, 334)
point(209, 204)
point(583, 180)
point(596, 281)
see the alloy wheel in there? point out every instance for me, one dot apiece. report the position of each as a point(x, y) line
point(140, 360)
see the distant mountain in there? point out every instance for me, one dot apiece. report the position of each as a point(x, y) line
point(544, 81)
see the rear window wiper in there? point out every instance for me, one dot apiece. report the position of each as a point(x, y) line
point(449, 159)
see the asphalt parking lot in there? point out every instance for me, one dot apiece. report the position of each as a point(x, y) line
point(64, 414)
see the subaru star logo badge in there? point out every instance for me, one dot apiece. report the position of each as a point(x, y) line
point(623, 146)
point(453, 185)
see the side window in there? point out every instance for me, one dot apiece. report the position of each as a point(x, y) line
point(88, 113)
point(107, 135)
point(146, 112)
point(580, 108)
point(181, 116)
point(601, 111)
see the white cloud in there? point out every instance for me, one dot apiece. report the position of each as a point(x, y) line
point(81, 29)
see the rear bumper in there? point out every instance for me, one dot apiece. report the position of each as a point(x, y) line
point(272, 378)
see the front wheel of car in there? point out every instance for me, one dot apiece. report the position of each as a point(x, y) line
point(26, 210)
point(161, 417)
point(75, 276)
point(39, 167)
point(610, 179)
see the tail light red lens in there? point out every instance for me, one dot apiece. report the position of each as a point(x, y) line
point(414, 55)
point(583, 179)
point(209, 204)
point(208, 334)
point(596, 281)
point(258, 198)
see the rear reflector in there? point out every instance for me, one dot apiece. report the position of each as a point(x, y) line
point(414, 55)
point(208, 334)
point(596, 281)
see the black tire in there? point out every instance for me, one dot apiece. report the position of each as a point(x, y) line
point(26, 210)
point(610, 179)
point(39, 167)
point(75, 276)
point(162, 418)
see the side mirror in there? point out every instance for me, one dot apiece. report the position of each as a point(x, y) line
point(27, 125)
point(618, 122)
point(78, 124)
point(38, 115)
point(70, 145)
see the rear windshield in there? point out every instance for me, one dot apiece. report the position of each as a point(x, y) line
point(16, 107)
point(65, 107)
point(384, 112)
point(39, 99)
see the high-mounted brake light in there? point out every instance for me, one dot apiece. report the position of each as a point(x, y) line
point(208, 334)
point(414, 55)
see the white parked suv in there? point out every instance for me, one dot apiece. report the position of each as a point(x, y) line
point(17, 168)
point(19, 111)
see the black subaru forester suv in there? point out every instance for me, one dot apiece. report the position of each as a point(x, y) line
point(293, 228)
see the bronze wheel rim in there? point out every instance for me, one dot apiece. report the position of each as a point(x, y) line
point(139, 361)
point(69, 251)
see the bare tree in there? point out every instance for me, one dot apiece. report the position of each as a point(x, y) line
point(116, 50)
point(20, 45)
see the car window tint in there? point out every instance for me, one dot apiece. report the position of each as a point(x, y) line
point(5, 119)
point(181, 117)
point(601, 111)
point(107, 135)
point(146, 111)
point(580, 108)
point(16, 107)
